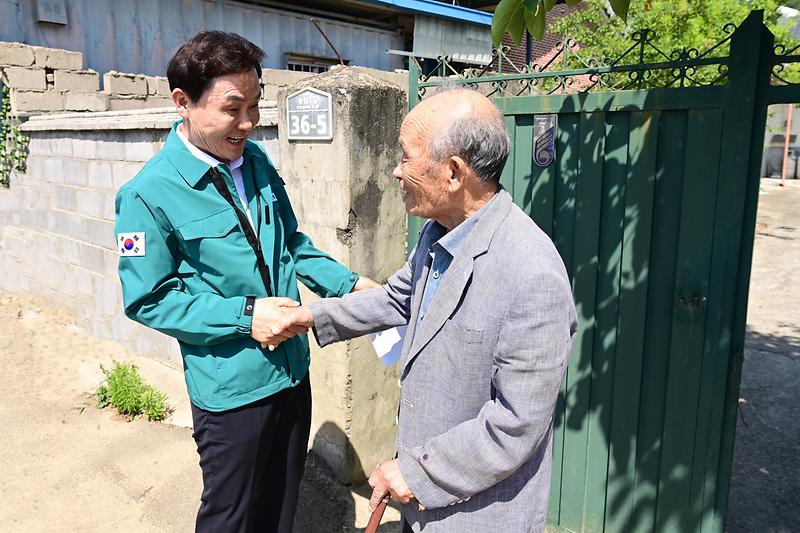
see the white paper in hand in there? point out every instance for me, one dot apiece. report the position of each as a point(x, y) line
point(389, 344)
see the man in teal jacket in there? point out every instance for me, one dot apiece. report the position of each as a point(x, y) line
point(210, 253)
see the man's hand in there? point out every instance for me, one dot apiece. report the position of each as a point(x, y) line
point(387, 478)
point(269, 326)
point(299, 317)
point(364, 283)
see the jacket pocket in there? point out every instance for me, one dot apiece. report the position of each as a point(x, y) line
point(217, 225)
point(464, 334)
point(216, 249)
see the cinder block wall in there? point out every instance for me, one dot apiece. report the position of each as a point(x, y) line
point(51, 80)
point(57, 219)
point(57, 224)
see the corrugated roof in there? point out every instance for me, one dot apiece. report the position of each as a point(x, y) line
point(438, 9)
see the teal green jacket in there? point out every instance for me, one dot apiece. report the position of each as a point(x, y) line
point(198, 269)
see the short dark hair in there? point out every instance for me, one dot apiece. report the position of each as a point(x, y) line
point(209, 55)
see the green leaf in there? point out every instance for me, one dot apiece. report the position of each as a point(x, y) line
point(571, 3)
point(535, 22)
point(517, 25)
point(548, 4)
point(620, 8)
point(504, 14)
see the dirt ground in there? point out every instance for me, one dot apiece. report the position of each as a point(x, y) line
point(69, 467)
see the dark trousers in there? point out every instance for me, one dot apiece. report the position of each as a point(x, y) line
point(252, 459)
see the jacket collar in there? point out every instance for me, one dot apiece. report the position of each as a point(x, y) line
point(459, 273)
point(190, 167)
point(491, 215)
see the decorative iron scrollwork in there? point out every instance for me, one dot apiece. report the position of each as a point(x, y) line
point(785, 65)
point(565, 69)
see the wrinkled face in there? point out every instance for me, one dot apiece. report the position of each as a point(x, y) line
point(423, 182)
point(224, 115)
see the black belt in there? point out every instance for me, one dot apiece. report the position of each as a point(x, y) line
point(253, 238)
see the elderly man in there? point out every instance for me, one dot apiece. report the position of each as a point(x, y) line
point(210, 252)
point(490, 327)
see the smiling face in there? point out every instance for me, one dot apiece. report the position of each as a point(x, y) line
point(438, 138)
point(423, 181)
point(224, 115)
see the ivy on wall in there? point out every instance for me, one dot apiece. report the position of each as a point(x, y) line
point(14, 147)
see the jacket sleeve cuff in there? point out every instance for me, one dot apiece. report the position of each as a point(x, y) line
point(243, 321)
point(348, 284)
point(324, 328)
point(425, 491)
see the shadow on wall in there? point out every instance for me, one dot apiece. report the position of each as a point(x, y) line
point(326, 504)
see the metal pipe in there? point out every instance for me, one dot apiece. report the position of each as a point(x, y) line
point(325, 36)
point(786, 144)
point(528, 48)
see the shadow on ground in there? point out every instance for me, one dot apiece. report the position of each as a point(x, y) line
point(326, 505)
point(765, 486)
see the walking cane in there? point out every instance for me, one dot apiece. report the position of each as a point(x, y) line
point(375, 517)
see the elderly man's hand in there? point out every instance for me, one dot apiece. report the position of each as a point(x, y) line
point(296, 317)
point(387, 478)
point(270, 327)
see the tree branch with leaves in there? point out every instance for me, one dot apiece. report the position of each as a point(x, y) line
point(514, 16)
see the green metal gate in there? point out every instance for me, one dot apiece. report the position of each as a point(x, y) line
point(651, 202)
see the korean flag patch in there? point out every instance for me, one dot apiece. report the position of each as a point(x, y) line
point(131, 244)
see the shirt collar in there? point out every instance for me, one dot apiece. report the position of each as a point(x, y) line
point(190, 167)
point(452, 241)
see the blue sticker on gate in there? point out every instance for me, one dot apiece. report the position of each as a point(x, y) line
point(544, 139)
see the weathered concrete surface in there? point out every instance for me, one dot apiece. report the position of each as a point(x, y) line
point(24, 78)
point(765, 487)
point(276, 79)
point(138, 119)
point(67, 466)
point(77, 80)
point(345, 197)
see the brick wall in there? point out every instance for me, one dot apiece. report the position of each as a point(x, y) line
point(541, 51)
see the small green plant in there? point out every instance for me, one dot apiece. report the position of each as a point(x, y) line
point(154, 404)
point(125, 390)
point(13, 143)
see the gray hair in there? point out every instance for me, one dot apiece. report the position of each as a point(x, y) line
point(480, 139)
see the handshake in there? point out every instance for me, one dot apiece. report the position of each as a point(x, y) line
point(278, 319)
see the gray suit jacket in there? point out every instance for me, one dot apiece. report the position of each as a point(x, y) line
point(480, 375)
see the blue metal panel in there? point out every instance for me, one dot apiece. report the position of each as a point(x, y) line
point(438, 9)
point(141, 36)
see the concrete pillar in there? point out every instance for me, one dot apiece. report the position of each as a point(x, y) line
point(347, 201)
